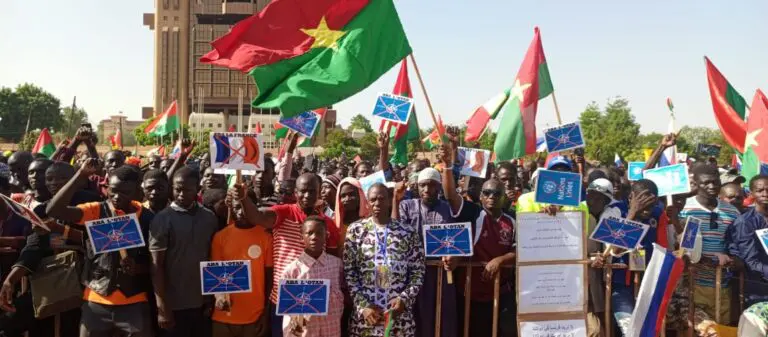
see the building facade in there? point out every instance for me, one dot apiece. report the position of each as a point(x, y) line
point(108, 127)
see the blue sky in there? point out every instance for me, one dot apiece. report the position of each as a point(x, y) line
point(467, 51)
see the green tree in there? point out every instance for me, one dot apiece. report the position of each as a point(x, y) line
point(647, 141)
point(142, 138)
point(71, 120)
point(691, 136)
point(609, 131)
point(28, 141)
point(369, 146)
point(360, 122)
point(337, 142)
point(28, 102)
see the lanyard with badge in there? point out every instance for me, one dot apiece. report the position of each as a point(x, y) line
point(381, 270)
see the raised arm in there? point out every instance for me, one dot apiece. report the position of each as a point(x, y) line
point(285, 165)
point(668, 141)
point(58, 207)
point(258, 216)
point(448, 152)
point(383, 142)
point(186, 149)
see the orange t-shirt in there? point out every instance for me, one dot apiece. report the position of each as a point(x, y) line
point(92, 211)
point(254, 244)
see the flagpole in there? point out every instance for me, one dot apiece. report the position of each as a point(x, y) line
point(557, 109)
point(426, 96)
point(121, 130)
point(71, 115)
point(240, 109)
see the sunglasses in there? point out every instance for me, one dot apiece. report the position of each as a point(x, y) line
point(713, 221)
point(490, 193)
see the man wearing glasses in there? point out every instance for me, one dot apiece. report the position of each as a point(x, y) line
point(716, 217)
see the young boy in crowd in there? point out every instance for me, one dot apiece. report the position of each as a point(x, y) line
point(243, 314)
point(314, 263)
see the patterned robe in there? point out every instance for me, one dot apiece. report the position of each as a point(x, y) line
point(364, 262)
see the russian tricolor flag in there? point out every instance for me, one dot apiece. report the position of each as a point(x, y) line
point(659, 282)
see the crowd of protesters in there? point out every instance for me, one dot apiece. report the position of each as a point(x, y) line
point(305, 218)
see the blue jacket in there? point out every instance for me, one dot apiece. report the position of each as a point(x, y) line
point(748, 247)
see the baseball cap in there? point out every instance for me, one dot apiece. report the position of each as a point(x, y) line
point(559, 160)
point(729, 177)
point(602, 186)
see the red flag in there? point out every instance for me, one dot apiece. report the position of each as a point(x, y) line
point(232, 128)
point(757, 135)
point(728, 107)
point(277, 32)
point(117, 143)
point(257, 128)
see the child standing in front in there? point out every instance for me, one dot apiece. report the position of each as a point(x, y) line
point(314, 263)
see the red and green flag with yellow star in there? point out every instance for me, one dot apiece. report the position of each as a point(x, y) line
point(756, 144)
point(308, 54)
point(517, 131)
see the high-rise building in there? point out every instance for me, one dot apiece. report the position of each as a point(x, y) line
point(184, 30)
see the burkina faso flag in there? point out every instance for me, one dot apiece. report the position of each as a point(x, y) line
point(517, 131)
point(308, 54)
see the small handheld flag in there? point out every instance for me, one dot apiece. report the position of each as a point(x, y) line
point(670, 105)
point(388, 323)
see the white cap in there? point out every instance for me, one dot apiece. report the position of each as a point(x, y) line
point(602, 186)
point(430, 174)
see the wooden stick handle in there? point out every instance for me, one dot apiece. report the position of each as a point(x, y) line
point(691, 306)
point(467, 300)
point(449, 276)
point(557, 109)
point(496, 294)
point(426, 96)
point(608, 291)
point(718, 284)
point(439, 302)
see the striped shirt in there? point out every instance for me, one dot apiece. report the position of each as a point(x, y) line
point(287, 242)
point(713, 235)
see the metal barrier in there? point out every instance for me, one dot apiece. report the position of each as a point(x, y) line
point(691, 324)
point(468, 294)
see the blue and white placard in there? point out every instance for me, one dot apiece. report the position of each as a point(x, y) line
point(692, 227)
point(115, 233)
point(304, 123)
point(670, 180)
point(448, 239)
point(620, 232)
point(558, 188)
point(564, 137)
point(762, 234)
point(635, 170)
point(393, 108)
point(303, 297)
point(225, 277)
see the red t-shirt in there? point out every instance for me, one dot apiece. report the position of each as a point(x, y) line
point(287, 243)
point(493, 238)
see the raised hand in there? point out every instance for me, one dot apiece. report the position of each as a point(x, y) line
point(90, 167)
point(383, 139)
